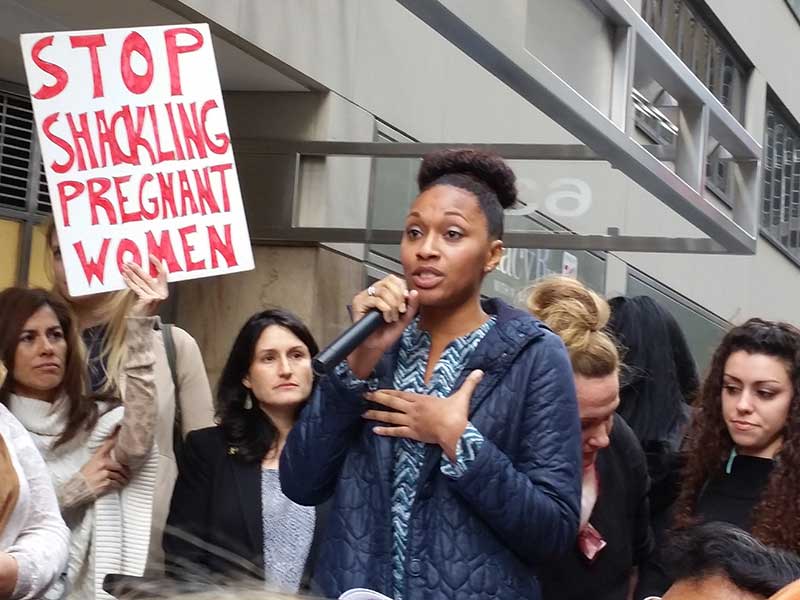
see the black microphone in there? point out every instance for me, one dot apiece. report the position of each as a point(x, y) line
point(350, 338)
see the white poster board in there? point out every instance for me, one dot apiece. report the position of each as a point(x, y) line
point(137, 153)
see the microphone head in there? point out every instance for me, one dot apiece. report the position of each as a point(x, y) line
point(319, 367)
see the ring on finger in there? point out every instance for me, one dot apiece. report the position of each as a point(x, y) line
point(371, 290)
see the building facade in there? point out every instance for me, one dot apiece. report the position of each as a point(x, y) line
point(364, 71)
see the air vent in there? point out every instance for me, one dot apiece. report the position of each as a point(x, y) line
point(16, 132)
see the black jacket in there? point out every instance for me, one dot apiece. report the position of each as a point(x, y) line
point(726, 497)
point(622, 517)
point(214, 529)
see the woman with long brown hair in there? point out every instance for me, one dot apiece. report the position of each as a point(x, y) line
point(744, 444)
point(99, 450)
point(743, 449)
point(228, 501)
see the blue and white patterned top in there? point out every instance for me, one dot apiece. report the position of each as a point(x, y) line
point(409, 376)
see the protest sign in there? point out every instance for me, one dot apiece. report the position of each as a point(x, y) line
point(137, 153)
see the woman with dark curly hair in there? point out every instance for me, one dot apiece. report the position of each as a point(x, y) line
point(228, 517)
point(449, 440)
point(744, 443)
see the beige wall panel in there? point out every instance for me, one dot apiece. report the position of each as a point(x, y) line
point(480, 109)
point(575, 41)
point(318, 38)
point(383, 59)
point(339, 278)
point(314, 283)
point(39, 269)
point(9, 250)
point(214, 309)
point(279, 115)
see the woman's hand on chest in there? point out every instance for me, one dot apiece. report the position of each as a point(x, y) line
point(427, 419)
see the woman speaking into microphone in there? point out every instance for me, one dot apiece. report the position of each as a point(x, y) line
point(450, 439)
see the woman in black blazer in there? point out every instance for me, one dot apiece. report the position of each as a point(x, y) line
point(228, 518)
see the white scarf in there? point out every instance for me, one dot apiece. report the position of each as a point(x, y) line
point(589, 492)
point(113, 534)
point(590, 541)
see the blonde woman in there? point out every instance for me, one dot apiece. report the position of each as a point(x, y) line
point(183, 394)
point(614, 536)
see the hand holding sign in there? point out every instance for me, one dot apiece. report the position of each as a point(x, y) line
point(150, 291)
point(137, 154)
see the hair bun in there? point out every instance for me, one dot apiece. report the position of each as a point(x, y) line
point(568, 307)
point(484, 166)
point(578, 315)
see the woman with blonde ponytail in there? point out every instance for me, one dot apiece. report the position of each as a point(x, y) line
point(614, 536)
point(183, 394)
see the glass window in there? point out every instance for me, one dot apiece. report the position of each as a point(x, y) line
point(16, 132)
point(18, 155)
point(521, 267)
point(780, 200)
point(795, 6)
point(702, 48)
point(699, 44)
point(717, 171)
point(9, 252)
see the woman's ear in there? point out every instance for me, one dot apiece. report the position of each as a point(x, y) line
point(493, 256)
point(246, 382)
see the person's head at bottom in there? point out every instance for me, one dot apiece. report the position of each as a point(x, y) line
point(717, 561)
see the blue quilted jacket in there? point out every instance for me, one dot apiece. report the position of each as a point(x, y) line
point(476, 537)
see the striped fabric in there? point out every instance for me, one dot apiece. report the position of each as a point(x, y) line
point(409, 376)
point(121, 535)
point(466, 450)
